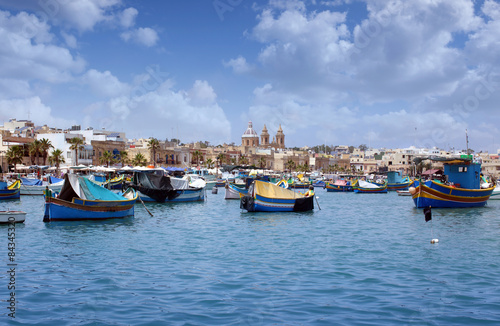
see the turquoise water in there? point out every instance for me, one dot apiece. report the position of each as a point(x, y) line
point(363, 259)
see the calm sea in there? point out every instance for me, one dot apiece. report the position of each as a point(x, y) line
point(363, 259)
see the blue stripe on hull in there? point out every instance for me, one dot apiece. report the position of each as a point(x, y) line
point(262, 208)
point(435, 203)
point(275, 200)
point(63, 213)
point(185, 196)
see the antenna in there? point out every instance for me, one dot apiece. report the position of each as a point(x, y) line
point(467, 141)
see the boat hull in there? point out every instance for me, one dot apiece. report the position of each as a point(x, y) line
point(234, 192)
point(399, 186)
point(441, 196)
point(12, 192)
point(60, 210)
point(12, 216)
point(39, 190)
point(266, 204)
point(338, 188)
point(186, 195)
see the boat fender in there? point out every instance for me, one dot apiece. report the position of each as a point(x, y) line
point(412, 190)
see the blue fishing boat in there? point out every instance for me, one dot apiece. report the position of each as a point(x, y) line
point(160, 188)
point(10, 192)
point(460, 189)
point(234, 191)
point(364, 187)
point(395, 181)
point(267, 197)
point(339, 185)
point(82, 199)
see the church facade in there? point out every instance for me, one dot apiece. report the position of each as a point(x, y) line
point(250, 138)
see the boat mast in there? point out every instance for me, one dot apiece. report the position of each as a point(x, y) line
point(467, 141)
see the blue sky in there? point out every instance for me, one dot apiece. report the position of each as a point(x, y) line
point(382, 73)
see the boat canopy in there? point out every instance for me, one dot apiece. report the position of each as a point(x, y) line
point(369, 185)
point(80, 187)
point(271, 190)
point(31, 182)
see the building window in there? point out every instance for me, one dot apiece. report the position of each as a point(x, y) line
point(69, 154)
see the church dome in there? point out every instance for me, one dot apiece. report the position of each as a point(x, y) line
point(250, 133)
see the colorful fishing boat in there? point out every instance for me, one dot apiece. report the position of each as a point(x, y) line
point(395, 181)
point(12, 217)
point(10, 192)
point(114, 183)
point(31, 186)
point(364, 187)
point(234, 191)
point(153, 187)
point(462, 188)
point(495, 195)
point(267, 197)
point(82, 199)
point(339, 185)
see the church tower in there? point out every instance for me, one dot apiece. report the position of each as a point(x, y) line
point(280, 138)
point(264, 138)
point(250, 137)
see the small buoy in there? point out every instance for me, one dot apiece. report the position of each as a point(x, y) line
point(317, 197)
point(434, 240)
point(412, 190)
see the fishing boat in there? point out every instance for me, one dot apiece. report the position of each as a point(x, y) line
point(403, 192)
point(267, 197)
point(460, 189)
point(82, 199)
point(364, 187)
point(234, 191)
point(114, 183)
point(31, 186)
point(339, 185)
point(160, 188)
point(395, 181)
point(495, 195)
point(12, 217)
point(319, 184)
point(12, 191)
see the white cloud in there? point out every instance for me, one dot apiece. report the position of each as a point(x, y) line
point(145, 36)
point(127, 17)
point(32, 106)
point(69, 39)
point(28, 52)
point(194, 113)
point(239, 65)
point(104, 83)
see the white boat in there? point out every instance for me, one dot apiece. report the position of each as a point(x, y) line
point(403, 192)
point(12, 216)
point(28, 188)
point(495, 195)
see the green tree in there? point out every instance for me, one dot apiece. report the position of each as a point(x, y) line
point(290, 165)
point(243, 160)
point(34, 149)
point(154, 146)
point(363, 147)
point(123, 158)
point(262, 162)
point(197, 157)
point(45, 146)
point(106, 158)
point(209, 163)
point(76, 145)
point(56, 158)
point(15, 155)
point(139, 160)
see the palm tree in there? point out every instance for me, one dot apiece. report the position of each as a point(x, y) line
point(123, 157)
point(45, 145)
point(106, 158)
point(56, 158)
point(233, 160)
point(197, 156)
point(153, 146)
point(15, 156)
point(262, 162)
point(243, 160)
point(139, 159)
point(34, 149)
point(290, 165)
point(209, 163)
point(220, 159)
point(76, 145)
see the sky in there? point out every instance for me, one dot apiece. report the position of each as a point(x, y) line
point(385, 73)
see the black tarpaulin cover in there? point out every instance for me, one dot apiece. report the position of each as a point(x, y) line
point(155, 186)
